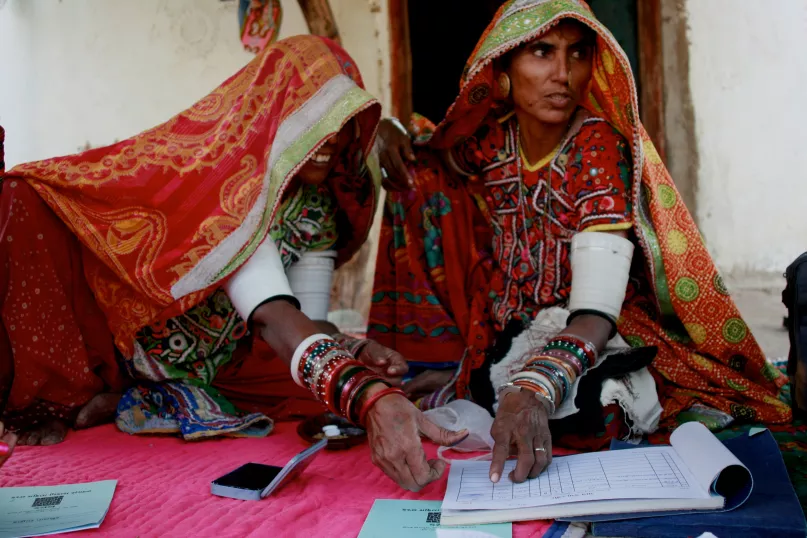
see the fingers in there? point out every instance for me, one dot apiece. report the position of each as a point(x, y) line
point(397, 450)
point(389, 447)
point(374, 354)
point(382, 356)
point(439, 435)
point(412, 471)
point(398, 366)
point(384, 361)
point(419, 383)
point(10, 439)
point(394, 467)
point(393, 179)
point(526, 459)
point(501, 450)
point(404, 475)
point(7, 442)
point(388, 183)
point(542, 458)
point(407, 150)
point(399, 170)
point(424, 472)
point(428, 382)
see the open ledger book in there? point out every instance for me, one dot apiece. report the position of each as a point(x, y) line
point(695, 473)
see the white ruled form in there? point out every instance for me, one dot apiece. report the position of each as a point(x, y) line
point(639, 473)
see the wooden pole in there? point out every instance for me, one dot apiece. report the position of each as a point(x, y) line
point(401, 79)
point(319, 17)
point(651, 72)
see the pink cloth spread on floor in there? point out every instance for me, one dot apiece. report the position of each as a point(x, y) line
point(164, 485)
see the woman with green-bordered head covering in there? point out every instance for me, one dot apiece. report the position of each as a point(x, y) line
point(541, 237)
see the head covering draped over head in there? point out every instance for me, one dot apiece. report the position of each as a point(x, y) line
point(709, 353)
point(168, 214)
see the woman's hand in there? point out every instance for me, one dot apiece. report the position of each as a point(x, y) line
point(522, 423)
point(7, 442)
point(427, 382)
point(384, 361)
point(395, 148)
point(394, 427)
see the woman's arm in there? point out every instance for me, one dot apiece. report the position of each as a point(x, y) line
point(385, 361)
point(600, 271)
point(261, 294)
point(600, 265)
point(394, 145)
point(394, 425)
point(594, 328)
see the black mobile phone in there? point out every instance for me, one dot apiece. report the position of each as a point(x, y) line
point(254, 481)
point(247, 482)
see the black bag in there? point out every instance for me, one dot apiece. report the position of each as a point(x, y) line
point(795, 299)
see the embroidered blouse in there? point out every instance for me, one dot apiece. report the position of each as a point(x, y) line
point(535, 209)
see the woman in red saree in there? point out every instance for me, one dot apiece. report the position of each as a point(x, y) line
point(475, 276)
point(165, 256)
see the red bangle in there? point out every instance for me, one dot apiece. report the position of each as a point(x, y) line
point(374, 398)
point(356, 396)
point(350, 386)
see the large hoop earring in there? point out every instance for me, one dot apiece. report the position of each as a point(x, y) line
point(504, 86)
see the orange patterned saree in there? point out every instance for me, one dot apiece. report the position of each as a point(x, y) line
point(157, 222)
point(432, 295)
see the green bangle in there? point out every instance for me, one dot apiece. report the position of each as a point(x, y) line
point(571, 348)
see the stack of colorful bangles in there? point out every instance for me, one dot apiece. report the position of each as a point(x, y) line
point(336, 378)
point(354, 346)
point(551, 372)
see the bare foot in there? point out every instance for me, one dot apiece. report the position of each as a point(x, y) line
point(100, 410)
point(49, 433)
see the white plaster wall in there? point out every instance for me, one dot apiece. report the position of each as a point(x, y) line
point(79, 72)
point(748, 78)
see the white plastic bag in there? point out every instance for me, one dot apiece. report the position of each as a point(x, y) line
point(465, 415)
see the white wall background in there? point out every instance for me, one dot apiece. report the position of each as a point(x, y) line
point(748, 77)
point(78, 72)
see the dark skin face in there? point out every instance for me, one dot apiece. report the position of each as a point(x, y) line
point(549, 78)
point(319, 166)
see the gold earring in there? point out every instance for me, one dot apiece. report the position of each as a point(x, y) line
point(504, 86)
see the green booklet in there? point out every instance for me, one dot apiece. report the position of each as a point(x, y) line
point(38, 511)
point(421, 519)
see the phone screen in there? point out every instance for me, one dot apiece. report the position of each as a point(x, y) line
point(252, 476)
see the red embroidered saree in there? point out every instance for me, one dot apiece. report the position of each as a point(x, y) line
point(151, 226)
point(432, 295)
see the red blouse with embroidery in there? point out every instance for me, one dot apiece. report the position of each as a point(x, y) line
point(536, 209)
